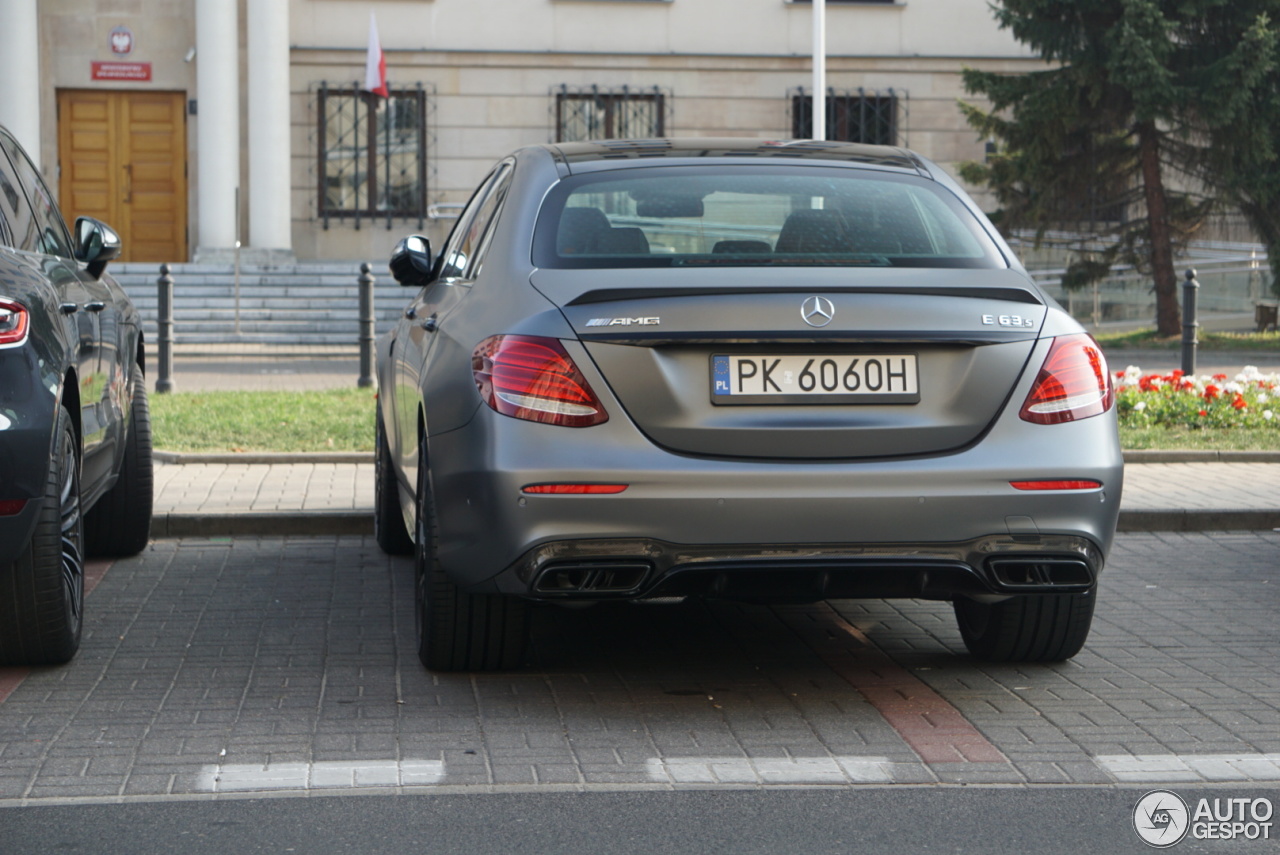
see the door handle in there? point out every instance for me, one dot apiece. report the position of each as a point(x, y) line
point(430, 324)
point(95, 306)
point(68, 308)
point(411, 312)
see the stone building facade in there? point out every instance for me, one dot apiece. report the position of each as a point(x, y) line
point(191, 124)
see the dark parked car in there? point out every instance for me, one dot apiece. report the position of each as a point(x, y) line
point(773, 372)
point(75, 436)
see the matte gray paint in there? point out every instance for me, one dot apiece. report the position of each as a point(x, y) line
point(926, 495)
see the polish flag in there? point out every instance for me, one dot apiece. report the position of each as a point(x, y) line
point(375, 66)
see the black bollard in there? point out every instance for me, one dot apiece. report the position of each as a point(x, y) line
point(164, 378)
point(1189, 325)
point(366, 281)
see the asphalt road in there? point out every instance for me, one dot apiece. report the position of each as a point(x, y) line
point(976, 820)
point(261, 694)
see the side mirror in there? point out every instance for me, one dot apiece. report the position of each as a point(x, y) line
point(96, 244)
point(411, 261)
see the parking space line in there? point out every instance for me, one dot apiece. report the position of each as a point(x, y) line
point(770, 770)
point(334, 774)
point(11, 678)
point(1171, 768)
point(933, 728)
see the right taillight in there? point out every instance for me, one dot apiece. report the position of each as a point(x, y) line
point(13, 323)
point(534, 378)
point(1073, 383)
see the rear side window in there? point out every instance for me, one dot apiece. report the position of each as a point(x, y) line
point(745, 216)
point(48, 233)
point(17, 223)
point(464, 251)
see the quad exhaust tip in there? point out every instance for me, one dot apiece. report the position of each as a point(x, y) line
point(1041, 574)
point(614, 577)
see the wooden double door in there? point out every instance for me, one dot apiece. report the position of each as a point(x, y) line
point(123, 160)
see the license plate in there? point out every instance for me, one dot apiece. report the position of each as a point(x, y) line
point(815, 379)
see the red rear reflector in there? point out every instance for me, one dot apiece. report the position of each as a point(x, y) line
point(13, 323)
point(1056, 485)
point(587, 489)
point(534, 378)
point(9, 507)
point(1073, 383)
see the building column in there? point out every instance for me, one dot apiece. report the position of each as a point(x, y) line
point(20, 69)
point(217, 126)
point(270, 203)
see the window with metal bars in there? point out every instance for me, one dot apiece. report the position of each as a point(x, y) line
point(857, 115)
point(608, 114)
point(372, 153)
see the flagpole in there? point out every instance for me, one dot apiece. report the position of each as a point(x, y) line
point(819, 70)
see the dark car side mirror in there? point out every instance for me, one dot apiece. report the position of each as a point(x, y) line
point(411, 261)
point(96, 244)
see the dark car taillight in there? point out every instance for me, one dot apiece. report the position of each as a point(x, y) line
point(534, 378)
point(13, 322)
point(1073, 383)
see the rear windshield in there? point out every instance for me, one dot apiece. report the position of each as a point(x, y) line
point(748, 215)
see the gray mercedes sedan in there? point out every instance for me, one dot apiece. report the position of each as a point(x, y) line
point(776, 372)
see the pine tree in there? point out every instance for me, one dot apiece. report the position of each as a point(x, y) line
point(1244, 158)
point(1114, 136)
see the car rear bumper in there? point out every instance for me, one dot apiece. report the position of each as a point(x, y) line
point(16, 530)
point(990, 568)
point(924, 517)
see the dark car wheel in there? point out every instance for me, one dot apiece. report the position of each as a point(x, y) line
point(1028, 628)
point(458, 631)
point(120, 523)
point(388, 519)
point(42, 592)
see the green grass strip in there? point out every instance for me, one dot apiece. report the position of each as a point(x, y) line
point(1146, 339)
point(330, 420)
point(342, 420)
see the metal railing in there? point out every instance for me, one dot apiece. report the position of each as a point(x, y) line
point(1233, 279)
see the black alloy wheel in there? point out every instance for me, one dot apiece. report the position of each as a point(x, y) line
point(42, 592)
point(459, 631)
point(120, 523)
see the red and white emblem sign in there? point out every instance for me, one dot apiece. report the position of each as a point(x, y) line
point(121, 41)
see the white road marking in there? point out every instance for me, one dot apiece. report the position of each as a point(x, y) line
point(333, 774)
point(1191, 767)
point(770, 770)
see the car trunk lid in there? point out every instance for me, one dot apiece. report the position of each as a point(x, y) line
point(893, 362)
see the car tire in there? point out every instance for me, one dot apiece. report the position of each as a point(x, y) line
point(120, 523)
point(388, 519)
point(42, 592)
point(1026, 628)
point(459, 631)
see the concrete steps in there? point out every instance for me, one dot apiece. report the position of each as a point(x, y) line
point(300, 304)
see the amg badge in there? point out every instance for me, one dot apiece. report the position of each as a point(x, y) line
point(624, 322)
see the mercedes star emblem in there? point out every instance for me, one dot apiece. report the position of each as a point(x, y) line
point(817, 311)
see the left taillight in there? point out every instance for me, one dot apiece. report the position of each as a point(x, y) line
point(1073, 383)
point(14, 319)
point(534, 378)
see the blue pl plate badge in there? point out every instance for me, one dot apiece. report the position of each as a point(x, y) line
point(720, 375)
